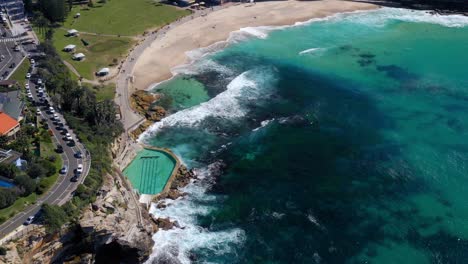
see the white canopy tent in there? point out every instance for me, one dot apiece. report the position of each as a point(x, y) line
point(72, 32)
point(79, 56)
point(103, 71)
point(69, 47)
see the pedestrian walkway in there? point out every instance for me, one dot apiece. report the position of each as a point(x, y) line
point(3, 40)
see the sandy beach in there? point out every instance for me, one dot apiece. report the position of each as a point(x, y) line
point(155, 63)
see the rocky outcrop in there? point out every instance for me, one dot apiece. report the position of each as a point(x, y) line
point(140, 129)
point(155, 113)
point(165, 223)
point(142, 100)
point(181, 179)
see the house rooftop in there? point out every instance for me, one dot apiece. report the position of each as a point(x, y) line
point(7, 123)
point(11, 104)
point(8, 156)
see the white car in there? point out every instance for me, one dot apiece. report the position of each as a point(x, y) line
point(28, 75)
point(79, 169)
point(55, 116)
point(39, 81)
point(32, 61)
point(51, 109)
point(26, 85)
point(38, 111)
point(29, 220)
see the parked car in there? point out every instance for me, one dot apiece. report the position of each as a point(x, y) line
point(38, 111)
point(12, 65)
point(29, 220)
point(28, 75)
point(51, 110)
point(64, 169)
point(39, 81)
point(79, 169)
point(59, 149)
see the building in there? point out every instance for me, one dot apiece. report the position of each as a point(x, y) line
point(8, 126)
point(12, 157)
point(8, 83)
point(14, 8)
point(11, 103)
point(9, 156)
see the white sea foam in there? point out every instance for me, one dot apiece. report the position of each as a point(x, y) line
point(264, 123)
point(177, 243)
point(312, 50)
point(382, 16)
point(226, 105)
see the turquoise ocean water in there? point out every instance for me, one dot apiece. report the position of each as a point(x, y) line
point(341, 140)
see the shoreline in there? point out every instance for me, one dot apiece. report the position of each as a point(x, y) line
point(170, 51)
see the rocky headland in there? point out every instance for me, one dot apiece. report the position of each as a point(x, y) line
point(145, 104)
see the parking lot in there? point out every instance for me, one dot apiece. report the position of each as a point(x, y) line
point(11, 52)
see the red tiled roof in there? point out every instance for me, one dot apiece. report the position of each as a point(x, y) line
point(6, 123)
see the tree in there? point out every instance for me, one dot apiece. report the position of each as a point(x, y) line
point(48, 167)
point(54, 218)
point(28, 5)
point(35, 170)
point(8, 170)
point(7, 197)
point(3, 141)
point(54, 10)
point(27, 184)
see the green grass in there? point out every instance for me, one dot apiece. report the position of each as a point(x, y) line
point(39, 33)
point(17, 207)
point(104, 92)
point(123, 17)
point(20, 72)
point(101, 51)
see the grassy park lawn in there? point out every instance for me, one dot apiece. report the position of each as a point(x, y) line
point(123, 17)
point(104, 92)
point(20, 73)
point(101, 51)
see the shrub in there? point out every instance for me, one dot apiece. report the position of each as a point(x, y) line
point(7, 197)
point(86, 43)
point(54, 218)
point(27, 184)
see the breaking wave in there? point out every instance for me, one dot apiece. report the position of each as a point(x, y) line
point(175, 245)
point(228, 104)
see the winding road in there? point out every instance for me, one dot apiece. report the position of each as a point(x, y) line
point(62, 190)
